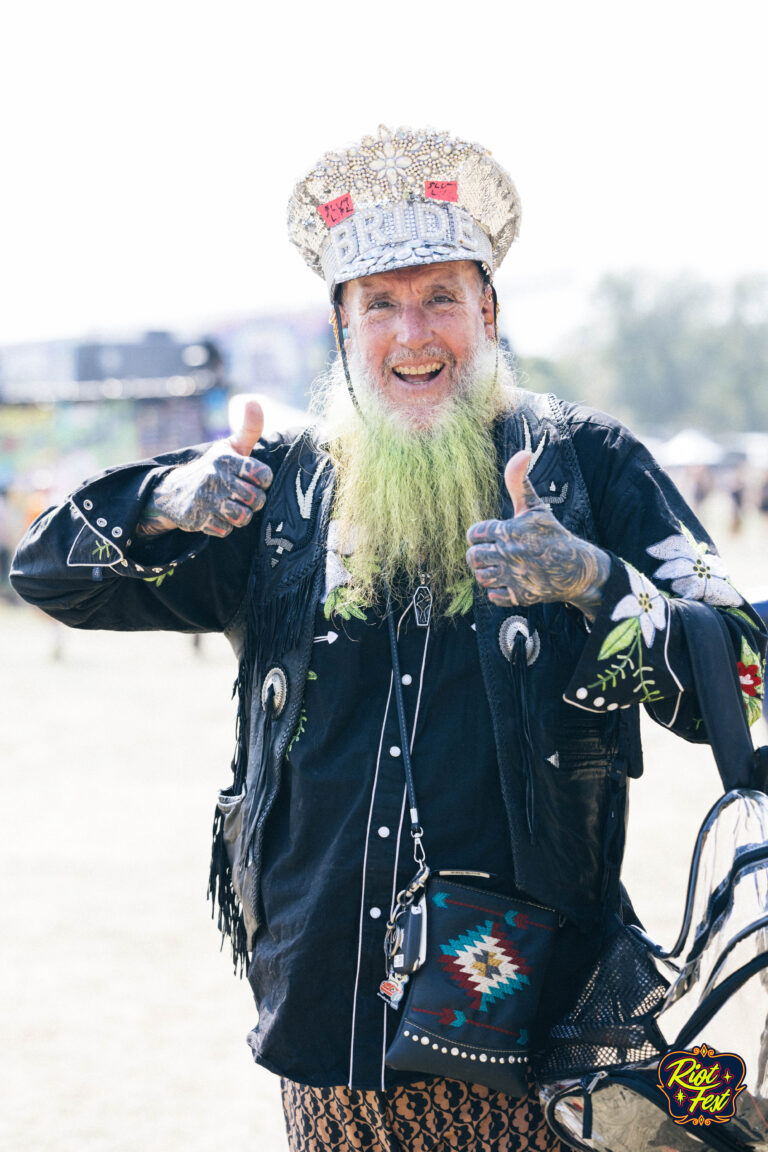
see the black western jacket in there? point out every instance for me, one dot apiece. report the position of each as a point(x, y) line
point(565, 716)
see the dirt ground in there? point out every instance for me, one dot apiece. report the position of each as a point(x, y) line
point(124, 1028)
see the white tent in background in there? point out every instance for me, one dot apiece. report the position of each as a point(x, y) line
point(755, 446)
point(689, 447)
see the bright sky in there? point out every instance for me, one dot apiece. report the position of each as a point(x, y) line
point(149, 148)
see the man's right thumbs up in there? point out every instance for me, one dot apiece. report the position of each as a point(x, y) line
point(216, 492)
point(246, 437)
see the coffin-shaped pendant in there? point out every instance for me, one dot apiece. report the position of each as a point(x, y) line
point(422, 604)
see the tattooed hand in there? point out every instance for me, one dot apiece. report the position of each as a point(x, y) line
point(532, 558)
point(216, 493)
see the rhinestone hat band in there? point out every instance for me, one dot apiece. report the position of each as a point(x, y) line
point(400, 199)
point(380, 239)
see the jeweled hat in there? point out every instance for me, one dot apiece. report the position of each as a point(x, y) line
point(403, 198)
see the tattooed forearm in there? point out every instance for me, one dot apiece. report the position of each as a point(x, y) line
point(152, 522)
point(533, 559)
point(214, 494)
point(590, 597)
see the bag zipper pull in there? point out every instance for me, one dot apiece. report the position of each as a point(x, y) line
point(598, 1076)
point(586, 1121)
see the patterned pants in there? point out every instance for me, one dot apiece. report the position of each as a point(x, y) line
point(444, 1116)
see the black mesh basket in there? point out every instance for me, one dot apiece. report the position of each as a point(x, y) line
point(613, 1021)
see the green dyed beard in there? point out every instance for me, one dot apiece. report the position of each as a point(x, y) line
point(406, 495)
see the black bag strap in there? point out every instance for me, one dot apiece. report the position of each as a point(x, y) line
point(417, 832)
point(719, 693)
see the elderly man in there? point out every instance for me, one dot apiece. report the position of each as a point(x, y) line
point(509, 675)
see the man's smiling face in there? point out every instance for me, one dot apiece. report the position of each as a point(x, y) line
point(414, 331)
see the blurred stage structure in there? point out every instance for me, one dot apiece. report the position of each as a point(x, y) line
point(69, 408)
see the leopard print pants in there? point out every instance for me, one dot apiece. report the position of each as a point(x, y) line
point(443, 1116)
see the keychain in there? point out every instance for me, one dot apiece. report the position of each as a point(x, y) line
point(405, 942)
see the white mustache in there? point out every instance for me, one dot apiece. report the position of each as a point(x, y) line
point(420, 357)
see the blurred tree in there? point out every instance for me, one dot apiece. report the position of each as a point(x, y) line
point(663, 355)
point(652, 346)
point(742, 364)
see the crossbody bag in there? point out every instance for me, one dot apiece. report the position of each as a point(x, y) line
point(464, 965)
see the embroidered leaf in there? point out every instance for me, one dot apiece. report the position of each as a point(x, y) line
point(647, 692)
point(753, 708)
point(751, 675)
point(699, 546)
point(157, 580)
point(740, 615)
point(651, 696)
point(299, 729)
point(619, 638)
point(614, 672)
point(302, 721)
point(748, 654)
point(103, 550)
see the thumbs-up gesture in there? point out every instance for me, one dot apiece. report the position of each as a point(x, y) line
point(216, 493)
point(532, 558)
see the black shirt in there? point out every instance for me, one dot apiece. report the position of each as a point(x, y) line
point(338, 846)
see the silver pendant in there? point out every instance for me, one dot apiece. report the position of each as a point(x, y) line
point(422, 603)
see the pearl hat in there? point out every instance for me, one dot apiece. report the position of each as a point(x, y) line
point(402, 198)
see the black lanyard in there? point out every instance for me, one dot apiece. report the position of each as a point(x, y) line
point(417, 831)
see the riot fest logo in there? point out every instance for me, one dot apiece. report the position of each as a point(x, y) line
point(701, 1085)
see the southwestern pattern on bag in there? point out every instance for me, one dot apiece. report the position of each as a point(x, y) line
point(470, 1009)
point(484, 962)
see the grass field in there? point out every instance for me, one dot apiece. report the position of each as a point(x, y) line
point(124, 1029)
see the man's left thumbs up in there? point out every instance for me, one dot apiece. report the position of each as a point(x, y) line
point(521, 491)
point(532, 558)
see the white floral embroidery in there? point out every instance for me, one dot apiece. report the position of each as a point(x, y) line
point(645, 603)
point(393, 163)
point(694, 571)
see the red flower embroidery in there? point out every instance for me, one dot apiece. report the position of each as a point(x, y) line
point(749, 678)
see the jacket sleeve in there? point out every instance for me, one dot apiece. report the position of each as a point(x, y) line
point(80, 563)
point(635, 652)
